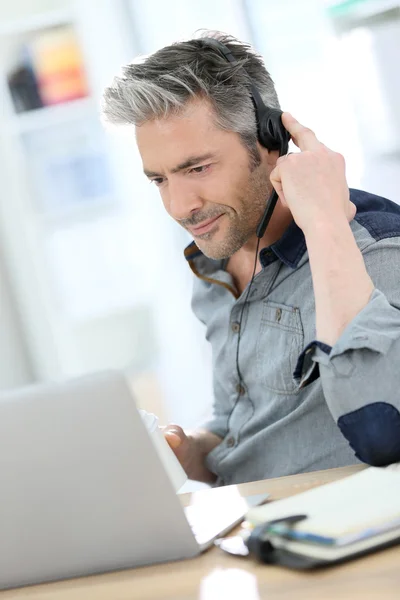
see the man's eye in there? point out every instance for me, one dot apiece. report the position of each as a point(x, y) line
point(201, 169)
point(157, 181)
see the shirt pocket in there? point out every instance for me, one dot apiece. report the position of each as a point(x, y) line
point(279, 345)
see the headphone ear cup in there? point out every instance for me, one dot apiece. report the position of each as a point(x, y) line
point(271, 132)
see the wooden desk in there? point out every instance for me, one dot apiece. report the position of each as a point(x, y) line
point(218, 576)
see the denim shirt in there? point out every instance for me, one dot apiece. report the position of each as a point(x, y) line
point(303, 405)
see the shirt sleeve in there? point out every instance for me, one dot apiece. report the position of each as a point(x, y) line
point(360, 374)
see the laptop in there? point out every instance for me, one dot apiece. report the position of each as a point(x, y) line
point(84, 491)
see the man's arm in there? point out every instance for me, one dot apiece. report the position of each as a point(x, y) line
point(342, 285)
point(357, 318)
point(360, 373)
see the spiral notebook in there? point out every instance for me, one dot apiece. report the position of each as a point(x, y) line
point(332, 523)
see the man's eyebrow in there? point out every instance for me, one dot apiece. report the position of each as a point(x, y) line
point(189, 162)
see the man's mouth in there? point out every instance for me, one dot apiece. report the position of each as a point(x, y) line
point(204, 227)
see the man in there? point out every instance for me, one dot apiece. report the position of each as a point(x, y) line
point(316, 381)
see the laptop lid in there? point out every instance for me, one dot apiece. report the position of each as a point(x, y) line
point(83, 489)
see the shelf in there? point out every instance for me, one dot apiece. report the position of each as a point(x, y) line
point(37, 22)
point(42, 118)
point(362, 8)
point(355, 13)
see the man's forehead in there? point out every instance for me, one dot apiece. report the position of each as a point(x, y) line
point(193, 119)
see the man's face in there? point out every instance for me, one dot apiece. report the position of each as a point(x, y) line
point(206, 178)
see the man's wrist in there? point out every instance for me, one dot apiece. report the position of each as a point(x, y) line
point(325, 227)
point(342, 286)
point(201, 443)
point(204, 441)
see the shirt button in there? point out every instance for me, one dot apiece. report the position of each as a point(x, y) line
point(230, 442)
point(240, 389)
point(235, 327)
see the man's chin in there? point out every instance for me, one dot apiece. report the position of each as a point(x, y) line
point(220, 244)
point(213, 250)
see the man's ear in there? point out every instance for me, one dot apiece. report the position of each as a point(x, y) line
point(269, 157)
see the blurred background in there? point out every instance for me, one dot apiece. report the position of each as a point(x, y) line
point(91, 269)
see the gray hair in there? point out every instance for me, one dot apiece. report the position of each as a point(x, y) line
point(162, 83)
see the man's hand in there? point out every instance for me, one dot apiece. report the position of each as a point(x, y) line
point(312, 183)
point(191, 450)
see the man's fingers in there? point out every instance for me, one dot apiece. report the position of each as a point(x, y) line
point(352, 211)
point(281, 159)
point(174, 435)
point(276, 181)
point(173, 439)
point(304, 138)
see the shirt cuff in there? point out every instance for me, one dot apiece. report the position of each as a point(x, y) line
point(307, 370)
point(375, 327)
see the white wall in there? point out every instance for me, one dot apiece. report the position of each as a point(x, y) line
point(15, 368)
point(18, 9)
point(15, 362)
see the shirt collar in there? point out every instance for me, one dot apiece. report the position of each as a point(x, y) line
point(192, 251)
point(289, 248)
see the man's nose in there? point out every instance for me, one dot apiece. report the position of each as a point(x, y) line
point(182, 199)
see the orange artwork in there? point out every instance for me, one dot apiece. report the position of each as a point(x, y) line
point(58, 66)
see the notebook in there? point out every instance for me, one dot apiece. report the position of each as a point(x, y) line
point(334, 522)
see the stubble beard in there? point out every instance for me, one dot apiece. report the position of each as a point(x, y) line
point(250, 201)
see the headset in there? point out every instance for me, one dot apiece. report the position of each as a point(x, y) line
point(270, 130)
point(272, 135)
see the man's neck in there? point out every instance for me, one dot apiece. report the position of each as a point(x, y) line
point(241, 264)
